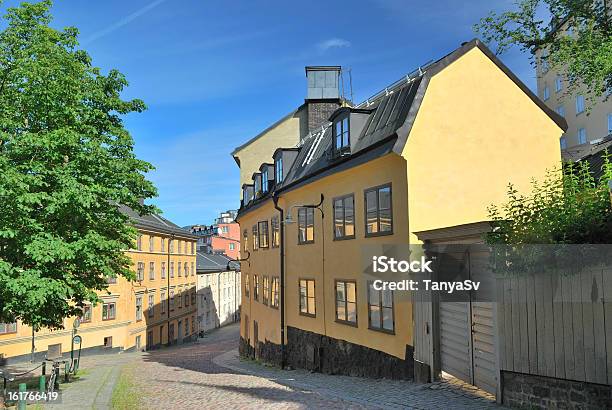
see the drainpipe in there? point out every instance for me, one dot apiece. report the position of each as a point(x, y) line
point(168, 289)
point(282, 275)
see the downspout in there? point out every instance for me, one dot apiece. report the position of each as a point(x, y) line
point(168, 290)
point(282, 275)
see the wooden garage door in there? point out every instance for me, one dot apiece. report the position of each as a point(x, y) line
point(455, 348)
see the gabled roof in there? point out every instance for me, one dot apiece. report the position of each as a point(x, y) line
point(392, 115)
point(155, 223)
point(212, 262)
point(592, 152)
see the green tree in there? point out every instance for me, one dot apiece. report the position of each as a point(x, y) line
point(576, 34)
point(66, 165)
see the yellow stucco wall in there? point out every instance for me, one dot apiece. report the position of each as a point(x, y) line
point(285, 134)
point(476, 131)
point(343, 259)
point(124, 329)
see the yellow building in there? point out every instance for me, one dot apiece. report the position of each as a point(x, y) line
point(159, 306)
point(431, 151)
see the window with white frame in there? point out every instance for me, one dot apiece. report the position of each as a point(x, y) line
point(558, 83)
point(546, 93)
point(278, 169)
point(151, 307)
point(138, 308)
point(140, 271)
point(151, 270)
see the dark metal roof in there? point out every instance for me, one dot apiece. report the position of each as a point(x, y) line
point(592, 152)
point(156, 223)
point(213, 262)
point(389, 123)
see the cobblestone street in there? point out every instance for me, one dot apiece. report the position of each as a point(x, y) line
point(208, 374)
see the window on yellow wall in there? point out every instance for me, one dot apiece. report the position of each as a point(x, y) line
point(140, 271)
point(171, 300)
point(346, 302)
point(245, 239)
point(109, 310)
point(163, 270)
point(344, 217)
point(256, 287)
point(275, 232)
point(151, 270)
point(139, 243)
point(163, 245)
point(138, 308)
point(307, 297)
point(151, 243)
point(379, 211)
point(255, 239)
point(305, 225)
point(263, 234)
point(380, 309)
point(86, 314)
point(6, 328)
point(247, 285)
point(186, 268)
point(274, 293)
point(266, 289)
point(162, 301)
point(151, 307)
point(171, 269)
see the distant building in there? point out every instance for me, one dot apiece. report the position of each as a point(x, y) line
point(221, 237)
point(584, 126)
point(218, 291)
point(156, 308)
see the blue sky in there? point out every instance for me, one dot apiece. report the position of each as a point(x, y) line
point(215, 73)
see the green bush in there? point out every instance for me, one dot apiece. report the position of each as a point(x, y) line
point(568, 207)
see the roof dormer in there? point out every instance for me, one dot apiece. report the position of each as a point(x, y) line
point(267, 177)
point(247, 193)
point(283, 160)
point(257, 184)
point(347, 125)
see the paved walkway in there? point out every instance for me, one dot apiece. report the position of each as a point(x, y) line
point(209, 374)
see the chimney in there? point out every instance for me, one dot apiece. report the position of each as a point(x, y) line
point(323, 96)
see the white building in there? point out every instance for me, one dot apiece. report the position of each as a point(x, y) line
point(218, 291)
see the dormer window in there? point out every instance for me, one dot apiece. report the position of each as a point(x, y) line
point(342, 141)
point(278, 169)
point(257, 185)
point(264, 179)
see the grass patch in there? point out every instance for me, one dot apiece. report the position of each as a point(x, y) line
point(125, 394)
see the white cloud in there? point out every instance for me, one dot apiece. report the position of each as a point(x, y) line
point(333, 43)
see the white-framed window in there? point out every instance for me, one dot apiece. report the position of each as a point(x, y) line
point(558, 83)
point(140, 271)
point(151, 243)
point(278, 169)
point(582, 136)
point(264, 181)
point(546, 93)
point(151, 307)
point(151, 270)
point(6, 328)
point(563, 142)
point(232, 246)
point(163, 270)
point(579, 104)
point(162, 301)
point(138, 308)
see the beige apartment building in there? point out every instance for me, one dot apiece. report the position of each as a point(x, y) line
point(589, 118)
point(157, 308)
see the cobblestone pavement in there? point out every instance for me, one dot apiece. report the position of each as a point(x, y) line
point(208, 374)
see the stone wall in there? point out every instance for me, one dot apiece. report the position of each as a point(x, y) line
point(312, 351)
point(267, 351)
point(530, 391)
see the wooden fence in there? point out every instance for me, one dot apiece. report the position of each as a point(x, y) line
point(557, 326)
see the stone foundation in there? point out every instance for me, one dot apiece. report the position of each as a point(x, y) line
point(539, 392)
point(267, 351)
point(315, 352)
